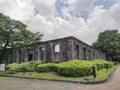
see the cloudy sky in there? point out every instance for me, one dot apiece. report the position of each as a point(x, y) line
point(84, 19)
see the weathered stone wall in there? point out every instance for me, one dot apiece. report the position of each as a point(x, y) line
point(85, 52)
point(58, 50)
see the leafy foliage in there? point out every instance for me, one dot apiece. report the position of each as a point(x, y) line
point(109, 42)
point(75, 68)
point(101, 64)
point(14, 67)
point(16, 32)
point(46, 67)
point(80, 68)
point(29, 66)
point(72, 68)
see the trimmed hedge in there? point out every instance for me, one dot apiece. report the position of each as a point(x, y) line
point(14, 67)
point(74, 68)
point(29, 66)
point(48, 67)
point(69, 68)
point(81, 67)
point(100, 64)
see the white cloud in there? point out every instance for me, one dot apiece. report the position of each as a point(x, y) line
point(79, 6)
point(16, 9)
point(53, 26)
point(39, 24)
point(45, 7)
point(101, 19)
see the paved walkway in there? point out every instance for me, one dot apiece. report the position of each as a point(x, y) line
point(113, 84)
point(9, 83)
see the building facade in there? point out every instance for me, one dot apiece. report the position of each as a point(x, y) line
point(57, 50)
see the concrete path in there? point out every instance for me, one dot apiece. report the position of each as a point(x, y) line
point(9, 83)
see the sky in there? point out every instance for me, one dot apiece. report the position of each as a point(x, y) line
point(83, 19)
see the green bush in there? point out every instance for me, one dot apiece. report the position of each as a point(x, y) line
point(48, 67)
point(100, 64)
point(29, 66)
point(14, 67)
point(81, 67)
point(115, 63)
point(69, 68)
point(75, 68)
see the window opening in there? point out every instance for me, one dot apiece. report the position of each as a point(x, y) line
point(57, 48)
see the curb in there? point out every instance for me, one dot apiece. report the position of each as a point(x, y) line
point(109, 77)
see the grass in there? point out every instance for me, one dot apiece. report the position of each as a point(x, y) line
point(5, 72)
point(101, 74)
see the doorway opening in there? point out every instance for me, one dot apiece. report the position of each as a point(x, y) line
point(78, 51)
point(30, 57)
point(84, 53)
point(19, 53)
point(90, 56)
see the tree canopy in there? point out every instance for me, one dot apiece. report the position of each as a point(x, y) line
point(16, 32)
point(109, 42)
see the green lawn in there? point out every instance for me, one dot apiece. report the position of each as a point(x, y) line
point(5, 72)
point(101, 74)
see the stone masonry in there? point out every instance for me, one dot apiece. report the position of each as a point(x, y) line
point(57, 50)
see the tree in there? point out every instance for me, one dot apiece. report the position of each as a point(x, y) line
point(15, 33)
point(109, 42)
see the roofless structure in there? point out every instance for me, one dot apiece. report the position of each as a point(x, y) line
point(57, 50)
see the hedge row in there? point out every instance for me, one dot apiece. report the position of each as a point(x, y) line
point(100, 64)
point(46, 67)
point(68, 68)
point(29, 66)
point(74, 67)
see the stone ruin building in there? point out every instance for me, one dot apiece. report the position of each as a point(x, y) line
point(57, 50)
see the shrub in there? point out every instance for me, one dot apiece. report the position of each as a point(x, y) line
point(115, 63)
point(14, 67)
point(100, 64)
point(75, 68)
point(46, 67)
point(69, 68)
point(81, 67)
point(29, 66)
